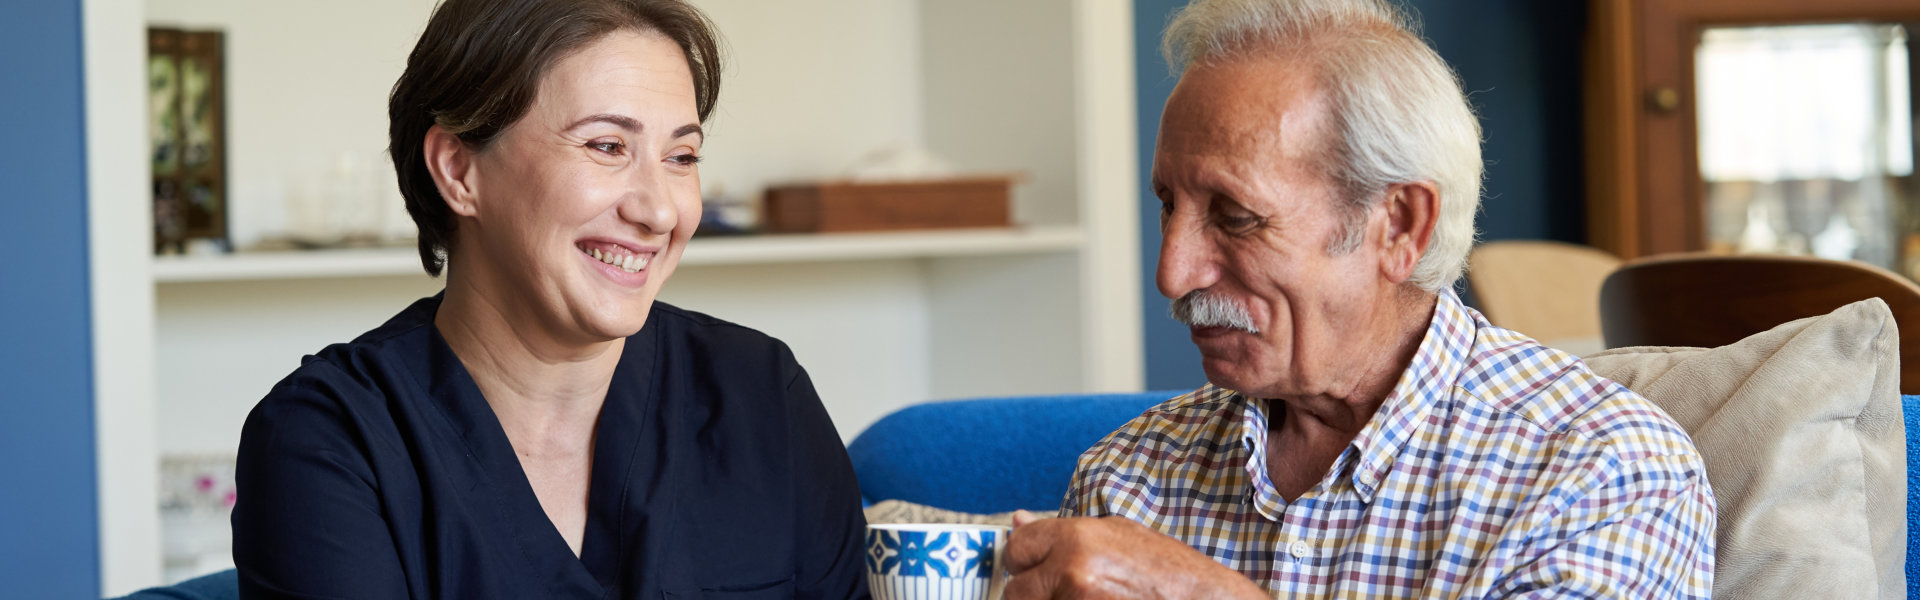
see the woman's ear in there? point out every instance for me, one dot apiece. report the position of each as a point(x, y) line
point(451, 163)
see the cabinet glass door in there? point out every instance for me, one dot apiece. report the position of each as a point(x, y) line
point(1806, 141)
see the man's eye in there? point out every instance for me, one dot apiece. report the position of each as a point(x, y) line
point(1239, 223)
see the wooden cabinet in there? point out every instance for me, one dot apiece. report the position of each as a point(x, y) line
point(1645, 193)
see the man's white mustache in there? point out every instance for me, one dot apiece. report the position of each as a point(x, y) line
point(1200, 308)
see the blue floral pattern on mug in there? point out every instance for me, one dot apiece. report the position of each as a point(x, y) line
point(943, 554)
point(982, 547)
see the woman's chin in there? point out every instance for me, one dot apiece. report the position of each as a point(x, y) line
point(606, 328)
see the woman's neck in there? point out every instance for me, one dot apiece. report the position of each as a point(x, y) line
point(543, 389)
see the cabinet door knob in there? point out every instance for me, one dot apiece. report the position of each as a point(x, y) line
point(1663, 99)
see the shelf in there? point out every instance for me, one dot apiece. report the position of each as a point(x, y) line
point(787, 248)
point(758, 249)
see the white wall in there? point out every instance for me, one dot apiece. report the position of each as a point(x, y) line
point(811, 87)
point(999, 89)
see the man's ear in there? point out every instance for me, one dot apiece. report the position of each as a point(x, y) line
point(451, 163)
point(1411, 211)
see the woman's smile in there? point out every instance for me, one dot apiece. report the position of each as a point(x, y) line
point(624, 263)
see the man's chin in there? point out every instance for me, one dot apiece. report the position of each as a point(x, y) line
point(1224, 370)
point(1228, 362)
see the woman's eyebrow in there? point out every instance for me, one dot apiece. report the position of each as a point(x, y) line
point(621, 121)
point(629, 124)
point(689, 129)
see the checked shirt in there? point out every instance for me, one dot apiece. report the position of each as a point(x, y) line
point(1496, 468)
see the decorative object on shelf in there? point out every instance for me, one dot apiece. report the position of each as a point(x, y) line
point(723, 214)
point(187, 137)
point(983, 201)
point(196, 499)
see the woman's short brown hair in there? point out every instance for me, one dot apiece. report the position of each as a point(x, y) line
point(478, 67)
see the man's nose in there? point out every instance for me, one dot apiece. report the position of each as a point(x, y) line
point(1188, 259)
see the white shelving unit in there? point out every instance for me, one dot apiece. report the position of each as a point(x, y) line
point(185, 346)
point(743, 250)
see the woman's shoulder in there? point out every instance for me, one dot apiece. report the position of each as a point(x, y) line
point(344, 382)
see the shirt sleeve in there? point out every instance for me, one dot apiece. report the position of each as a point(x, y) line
point(1646, 533)
point(1092, 473)
point(307, 519)
point(832, 535)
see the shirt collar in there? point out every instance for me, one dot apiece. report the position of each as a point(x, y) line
point(1427, 380)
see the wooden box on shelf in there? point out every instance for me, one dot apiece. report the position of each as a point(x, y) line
point(879, 206)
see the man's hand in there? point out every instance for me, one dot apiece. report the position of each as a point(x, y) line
point(1111, 557)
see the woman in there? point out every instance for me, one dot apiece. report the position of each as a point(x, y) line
point(543, 428)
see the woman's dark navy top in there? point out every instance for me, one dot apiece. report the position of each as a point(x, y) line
point(376, 470)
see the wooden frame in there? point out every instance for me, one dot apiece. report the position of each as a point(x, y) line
point(187, 112)
point(1644, 190)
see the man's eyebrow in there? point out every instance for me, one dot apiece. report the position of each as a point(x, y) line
point(621, 121)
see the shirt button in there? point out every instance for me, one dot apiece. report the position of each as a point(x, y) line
point(1300, 550)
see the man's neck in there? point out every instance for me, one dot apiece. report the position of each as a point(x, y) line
point(1306, 434)
point(1386, 345)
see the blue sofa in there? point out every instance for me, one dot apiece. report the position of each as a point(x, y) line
point(224, 585)
point(1001, 454)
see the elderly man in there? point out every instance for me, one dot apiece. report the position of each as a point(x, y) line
point(1363, 434)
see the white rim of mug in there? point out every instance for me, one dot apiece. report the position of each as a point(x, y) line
point(939, 527)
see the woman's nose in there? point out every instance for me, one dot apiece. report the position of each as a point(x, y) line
point(649, 202)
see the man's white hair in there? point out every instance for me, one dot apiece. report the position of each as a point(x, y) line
point(1398, 112)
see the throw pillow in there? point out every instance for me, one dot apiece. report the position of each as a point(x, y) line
point(1801, 430)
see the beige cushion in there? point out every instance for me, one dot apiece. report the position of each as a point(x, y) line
point(1801, 431)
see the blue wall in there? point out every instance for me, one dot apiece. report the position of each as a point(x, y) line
point(1520, 62)
point(48, 532)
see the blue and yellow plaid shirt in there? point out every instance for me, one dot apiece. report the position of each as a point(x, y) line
point(1496, 468)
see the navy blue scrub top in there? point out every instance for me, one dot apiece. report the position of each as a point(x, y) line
point(377, 470)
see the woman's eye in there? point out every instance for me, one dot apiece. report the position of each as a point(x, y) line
point(614, 148)
point(684, 159)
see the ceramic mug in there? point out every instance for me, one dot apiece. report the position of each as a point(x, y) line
point(936, 562)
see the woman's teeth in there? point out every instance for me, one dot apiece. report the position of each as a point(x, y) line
point(631, 263)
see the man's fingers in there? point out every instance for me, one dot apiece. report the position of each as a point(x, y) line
point(1029, 586)
point(1031, 543)
point(1022, 517)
